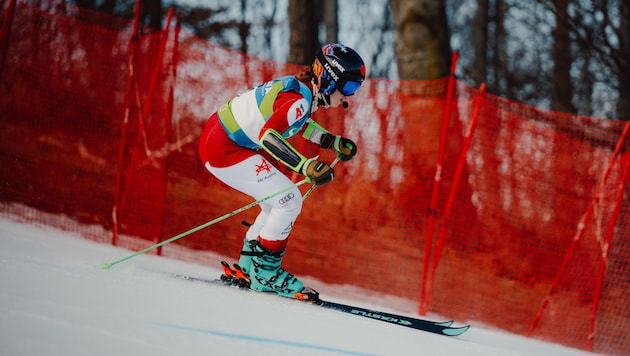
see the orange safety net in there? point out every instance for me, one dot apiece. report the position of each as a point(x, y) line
point(477, 207)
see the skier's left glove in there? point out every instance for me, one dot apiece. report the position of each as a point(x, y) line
point(346, 149)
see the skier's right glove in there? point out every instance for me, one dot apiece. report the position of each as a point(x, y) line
point(317, 171)
point(346, 149)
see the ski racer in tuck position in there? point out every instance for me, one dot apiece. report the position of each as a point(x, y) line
point(244, 143)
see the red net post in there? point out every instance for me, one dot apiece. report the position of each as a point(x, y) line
point(586, 219)
point(423, 302)
point(606, 247)
point(133, 42)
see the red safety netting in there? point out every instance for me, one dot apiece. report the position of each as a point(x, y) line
point(477, 207)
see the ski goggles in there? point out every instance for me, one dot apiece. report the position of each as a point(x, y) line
point(348, 87)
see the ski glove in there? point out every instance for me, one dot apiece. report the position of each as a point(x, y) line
point(346, 149)
point(317, 171)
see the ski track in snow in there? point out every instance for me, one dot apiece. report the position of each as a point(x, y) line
point(56, 300)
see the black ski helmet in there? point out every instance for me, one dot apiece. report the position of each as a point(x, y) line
point(337, 67)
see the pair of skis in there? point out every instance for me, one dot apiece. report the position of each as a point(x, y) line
point(442, 328)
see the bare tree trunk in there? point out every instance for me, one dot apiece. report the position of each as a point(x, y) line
point(303, 23)
point(498, 83)
point(422, 39)
point(623, 105)
point(562, 88)
point(152, 13)
point(480, 40)
point(330, 20)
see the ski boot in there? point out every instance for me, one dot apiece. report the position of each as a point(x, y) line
point(266, 275)
point(245, 261)
point(237, 273)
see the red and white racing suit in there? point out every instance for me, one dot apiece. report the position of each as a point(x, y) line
point(231, 151)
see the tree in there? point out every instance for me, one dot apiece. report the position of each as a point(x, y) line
point(331, 21)
point(303, 25)
point(422, 39)
point(480, 40)
point(623, 104)
point(151, 13)
point(562, 88)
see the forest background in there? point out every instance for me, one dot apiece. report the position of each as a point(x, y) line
point(570, 56)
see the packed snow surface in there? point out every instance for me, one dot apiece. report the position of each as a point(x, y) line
point(56, 300)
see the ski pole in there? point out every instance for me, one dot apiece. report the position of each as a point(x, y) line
point(203, 226)
point(312, 188)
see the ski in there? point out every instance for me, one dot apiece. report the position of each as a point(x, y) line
point(442, 328)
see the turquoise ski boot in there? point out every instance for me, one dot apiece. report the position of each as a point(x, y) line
point(266, 275)
point(245, 261)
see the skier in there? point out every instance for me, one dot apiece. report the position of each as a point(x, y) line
point(243, 143)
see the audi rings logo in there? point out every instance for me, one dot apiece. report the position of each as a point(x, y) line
point(285, 199)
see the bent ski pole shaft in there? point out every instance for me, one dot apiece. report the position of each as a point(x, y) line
point(203, 226)
point(312, 188)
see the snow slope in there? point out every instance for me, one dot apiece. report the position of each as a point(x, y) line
point(56, 300)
